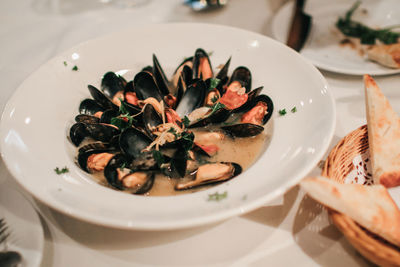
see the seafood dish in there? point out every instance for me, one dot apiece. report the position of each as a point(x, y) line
point(140, 135)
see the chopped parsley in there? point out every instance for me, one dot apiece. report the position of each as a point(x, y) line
point(122, 107)
point(210, 53)
point(186, 121)
point(65, 63)
point(123, 121)
point(214, 83)
point(214, 99)
point(61, 171)
point(282, 112)
point(122, 166)
point(75, 68)
point(217, 107)
point(173, 131)
point(217, 196)
point(294, 109)
point(187, 138)
point(159, 158)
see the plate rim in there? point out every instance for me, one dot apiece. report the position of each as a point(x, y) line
point(191, 222)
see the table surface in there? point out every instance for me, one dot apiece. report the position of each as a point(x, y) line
point(290, 230)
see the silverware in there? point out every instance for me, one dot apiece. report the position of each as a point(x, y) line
point(7, 258)
point(300, 27)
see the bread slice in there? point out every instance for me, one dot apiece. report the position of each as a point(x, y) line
point(386, 55)
point(383, 136)
point(370, 206)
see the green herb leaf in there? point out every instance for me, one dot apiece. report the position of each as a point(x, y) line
point(65, 63)
point(214, 83)
point(217, 107)
point(122, 107)
point(282, 112)
point(121, 123)
point(187, 139)
point(186, 121)
point(75, 68)
point(158, 156)
point(293, 110)
point(61, 171)
point(217, 196)
point(210, 53)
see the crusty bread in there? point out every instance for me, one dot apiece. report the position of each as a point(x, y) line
point(383, 135)
point(370, 206)
point(386, 55)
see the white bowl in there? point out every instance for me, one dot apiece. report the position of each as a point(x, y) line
point(36, 120)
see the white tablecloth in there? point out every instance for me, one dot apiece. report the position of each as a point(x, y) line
point(293, 230)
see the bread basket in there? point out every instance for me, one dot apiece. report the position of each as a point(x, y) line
point(337, 166)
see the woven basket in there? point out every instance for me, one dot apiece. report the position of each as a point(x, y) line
point(337, 166)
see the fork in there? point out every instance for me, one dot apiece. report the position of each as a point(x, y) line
point(7, 258)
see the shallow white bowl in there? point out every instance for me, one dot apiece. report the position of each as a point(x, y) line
point(36, 120)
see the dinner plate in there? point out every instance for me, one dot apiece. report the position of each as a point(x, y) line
point(26, 232)
point(36, 121)
point(323, 47)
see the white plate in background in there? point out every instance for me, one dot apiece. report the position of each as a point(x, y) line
point(322, 47)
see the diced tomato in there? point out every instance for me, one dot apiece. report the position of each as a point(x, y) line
point(131, 98)
point(233, 99)
point(256, 114)
point(173, 117)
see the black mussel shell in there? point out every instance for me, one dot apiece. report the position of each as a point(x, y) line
point(198, 56)
point(192, 98)
point(84, 118)
point(250, 100)
point(132, 109)
point(145, 86)
point(151, 118)
point(178, 162)
point(133, 141)
point(243, 129)
point(217, 116)
point(108, 115)
point(90, 149)
point(242, 75)
point(144, 162)
point(129, 87)
point(160, 77)
point(111, 173)
point(223, 73)
point(147, 185)
point(77, 133)
point(101, 132)
point(261, 98)
point(90, 107)
point(101, 98)
point(112, 83)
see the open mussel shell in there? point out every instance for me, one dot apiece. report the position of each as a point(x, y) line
point(160, 77)
point(178, 162)
point(108, 115)
point(86, 151)
point(135, 182)
point(217, 116)
point(202, 68)
point(243, 129)
point(151, 119)
point(77, 133)
point(212, 173)
point(101, 98)
point(112, 83)
point(250, 100)
point(242, 75)
point(133, 141)
point(192, 98)
point(144, 162)
point(145, 86)
point(223, 73)
point(90, 107)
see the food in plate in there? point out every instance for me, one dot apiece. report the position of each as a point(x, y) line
point(383, 135)
point(380, 45)
point(370, 206)
point(156, 136)
point(386, 55)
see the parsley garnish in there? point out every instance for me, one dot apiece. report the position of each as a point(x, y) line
point(158, 156)
point(366, 35)
point(186, 121)
point(187, 140)
point(122, 107)
point(122, 166)
point(213, 83)
point(282, 112)
point(294, 109)
point(75, 68)
point(214, 99)
point(61, 171)
point(123, 121)
point(210, 53)
point(65, 63)
point(217, 107)
point(217, 196)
